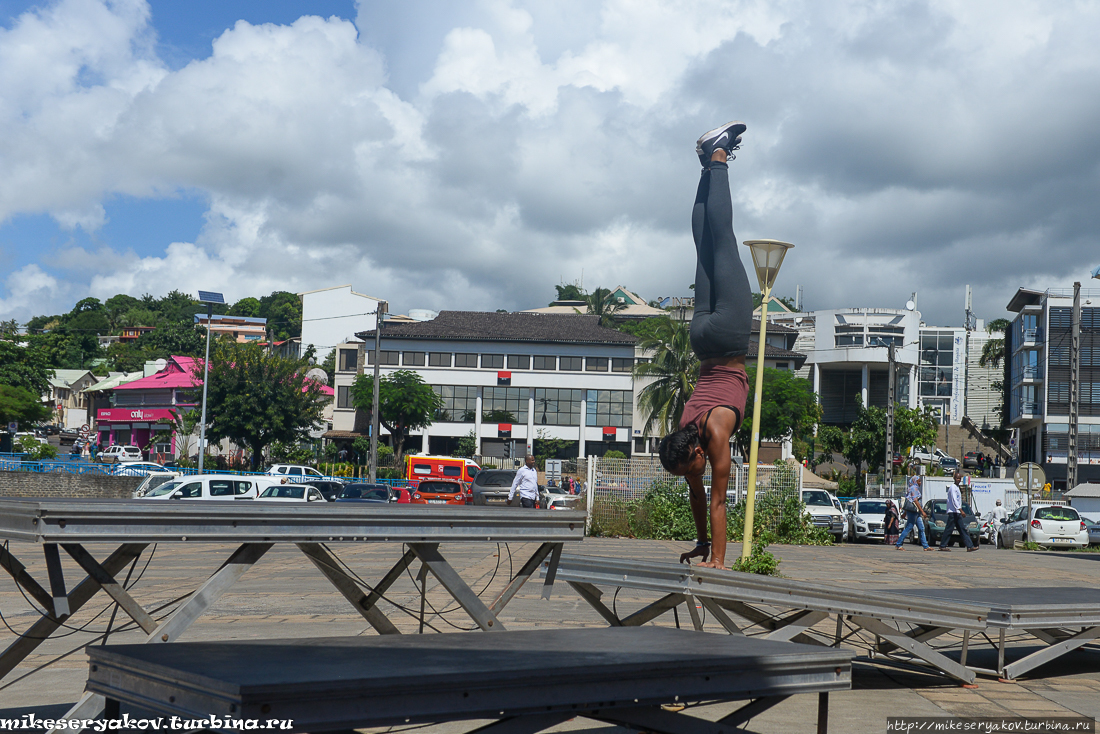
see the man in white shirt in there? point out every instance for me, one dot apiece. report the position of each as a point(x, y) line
point(999, 513)
point(954, 516)
point(527, 484)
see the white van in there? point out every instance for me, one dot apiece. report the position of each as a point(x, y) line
point(209, 487)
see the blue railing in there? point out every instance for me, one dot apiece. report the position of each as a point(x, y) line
point(15, 462)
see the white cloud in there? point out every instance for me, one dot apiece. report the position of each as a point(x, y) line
point(29, 288)
point(901, 146)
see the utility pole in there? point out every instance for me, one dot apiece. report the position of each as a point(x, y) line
point(888, 471)
point(375, 413)
point(1074, 388)
point(966, 352)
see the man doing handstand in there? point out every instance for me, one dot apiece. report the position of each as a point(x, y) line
point(720, 332)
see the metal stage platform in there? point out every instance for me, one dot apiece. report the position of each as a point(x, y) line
point(1060, 618)
point(66, 524)
point(525, 681)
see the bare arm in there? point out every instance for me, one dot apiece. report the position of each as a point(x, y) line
point(719, 429)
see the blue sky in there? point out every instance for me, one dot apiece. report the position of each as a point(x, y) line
point(472, 155)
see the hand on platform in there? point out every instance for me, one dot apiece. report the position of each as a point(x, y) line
point(701, 551)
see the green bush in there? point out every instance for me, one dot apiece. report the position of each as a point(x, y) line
point(760, 561)
point(613, 454)
point(34, 449)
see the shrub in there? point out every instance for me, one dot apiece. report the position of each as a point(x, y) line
point(760, 561)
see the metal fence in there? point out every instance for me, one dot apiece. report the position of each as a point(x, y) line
point(618, 489)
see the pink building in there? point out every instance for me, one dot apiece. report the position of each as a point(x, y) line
point(138, 406)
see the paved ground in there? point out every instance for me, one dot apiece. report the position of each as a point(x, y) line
point(285, 596)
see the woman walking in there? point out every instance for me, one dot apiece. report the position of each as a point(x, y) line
point(890, 523)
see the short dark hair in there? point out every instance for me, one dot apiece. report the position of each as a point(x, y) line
point(675, 448)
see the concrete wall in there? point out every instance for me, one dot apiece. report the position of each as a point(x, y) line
point(89, 486)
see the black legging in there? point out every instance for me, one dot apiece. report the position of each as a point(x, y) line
point(723, 298)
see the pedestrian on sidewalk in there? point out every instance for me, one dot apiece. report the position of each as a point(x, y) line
point(914, 513)
point(954, 516)
point(890, 523)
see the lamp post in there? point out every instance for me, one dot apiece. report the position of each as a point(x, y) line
point(210, 299)
point(767, 257)
point(375, 413)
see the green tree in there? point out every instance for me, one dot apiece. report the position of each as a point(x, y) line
point(187, 339)
point(9, 329)
point(21, 405)
point(466, 445)
point(407, 403)
point(88, 315)
point(865, 440)
point(329, 365)
point(176, 307)
point(570, 292)
point(673, 369)
point(24, 366)
point(116, 307)
point(993, 351)
point(247, 306)
point(255, 398)
point(184, 424)
point(125, 357)
point(602, 303)
point(283, 312)
point(789, 407)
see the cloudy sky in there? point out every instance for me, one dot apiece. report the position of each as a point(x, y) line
point(471, 155)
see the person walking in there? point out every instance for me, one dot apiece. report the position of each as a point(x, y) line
point(891, 523)
point(720, 329)
point(954, 516)
point(914, 514)
point(526, 483)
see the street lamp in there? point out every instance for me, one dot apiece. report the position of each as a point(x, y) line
point(767, 257)
point(210, 299)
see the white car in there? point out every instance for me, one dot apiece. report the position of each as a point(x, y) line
point(824, 508)
point(139, 469)
point(927, 455)
point(294, 470)
point(118, 454)
point(291, 493)
point(154, 480)
point(209, 487)
point(865, 519)
point(1051, 526)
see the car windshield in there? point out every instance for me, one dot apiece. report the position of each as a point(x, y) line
point(440, 487)
point(817, 498)
point(940, 507)
point(288, 491)
point(364, 491)
point(1090, 523)
point(166, 488)
point(1065, 514)
point(872, 508)
point(495, 479)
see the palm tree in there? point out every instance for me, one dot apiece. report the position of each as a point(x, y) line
point(993, 351)
point(602, 303)
point(673, 369)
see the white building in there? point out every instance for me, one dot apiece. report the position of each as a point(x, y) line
point(508, 377)
point(332, 316)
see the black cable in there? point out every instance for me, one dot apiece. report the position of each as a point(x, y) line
point(456, 607)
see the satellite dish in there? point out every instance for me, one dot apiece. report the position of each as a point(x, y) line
point(161, 364)
point(318, 375)
point(909, 305)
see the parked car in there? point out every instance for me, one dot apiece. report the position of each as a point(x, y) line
point(927, 455)
point(865, 519)
point(898, 461)
point(491, 487)
point(291, 493)
point(208, 487)
point(949, 464)
point(294, 470)
point(971, 460)
point(1094, 530)
point(139, 469)
point(118, 454)
point(558, 499)
point(152, 481)
point(330, 489)
point(440, 492)
point(375, 494)
point(824, 508)
point(1051, 526)
point(936, 513)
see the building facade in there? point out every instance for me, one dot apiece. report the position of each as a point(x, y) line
point(1037, 372)
point(507, 379)
point(332, 316)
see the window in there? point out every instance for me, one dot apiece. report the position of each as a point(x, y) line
point(349, 360)
point(609, 408)
point(343, 397)
point(519, 362)
point(459, 403)
point(191, 490)
point(621, 364)
point(572, 364)
point(596, 364)
point(412, 359)
point(388, 357)
point(439, 359)
point(544, 362)
point(492, 361)
point(504, 404)
point(222, 487)
point(465, 360)
point(782, 365)
point(557, 407)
